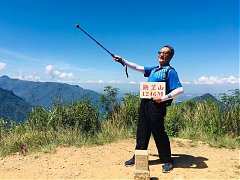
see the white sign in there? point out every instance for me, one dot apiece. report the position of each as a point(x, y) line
point(149, 90)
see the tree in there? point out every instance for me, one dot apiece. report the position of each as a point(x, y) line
point(109, 100)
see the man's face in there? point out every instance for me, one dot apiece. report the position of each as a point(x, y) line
point(164, 56)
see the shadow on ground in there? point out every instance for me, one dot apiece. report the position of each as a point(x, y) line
point(183, 161)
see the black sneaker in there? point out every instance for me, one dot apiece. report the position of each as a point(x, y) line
point(167, 167)
point(130, 162)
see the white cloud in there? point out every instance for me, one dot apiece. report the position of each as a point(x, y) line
point(185, 82)
point(109, 82)
point(217, 80)
point(90, 81)
point(132, 82)
point(50, 70)
point(2, 66)
point(31, 77)
point(114, 82)
point(95, 82)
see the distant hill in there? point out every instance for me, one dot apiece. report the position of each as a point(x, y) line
point(205, 97)
point(45, 93)
point(13, 107)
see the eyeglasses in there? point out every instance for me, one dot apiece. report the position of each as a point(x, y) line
point(166, 52)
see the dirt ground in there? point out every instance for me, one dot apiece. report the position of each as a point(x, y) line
point(191, 161)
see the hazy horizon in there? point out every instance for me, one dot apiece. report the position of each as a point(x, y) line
point(189, 89)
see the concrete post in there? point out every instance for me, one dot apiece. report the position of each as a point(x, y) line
point(142, 167)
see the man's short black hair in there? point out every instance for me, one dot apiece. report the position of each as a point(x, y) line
point(171, 49)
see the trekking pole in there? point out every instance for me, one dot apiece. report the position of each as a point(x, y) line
point(120, 60)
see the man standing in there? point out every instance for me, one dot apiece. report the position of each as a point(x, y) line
point(153, 111)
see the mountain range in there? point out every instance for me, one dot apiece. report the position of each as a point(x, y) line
point(18, 97)
point(47, 93)
point(13, 107)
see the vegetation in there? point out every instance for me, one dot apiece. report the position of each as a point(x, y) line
point(108, 100)
point(80, 123)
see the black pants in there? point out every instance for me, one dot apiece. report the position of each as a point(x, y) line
point(152, 121)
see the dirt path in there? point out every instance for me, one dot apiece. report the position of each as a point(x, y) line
point(192, 161)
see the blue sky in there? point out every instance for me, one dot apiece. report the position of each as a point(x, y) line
point(38, 40)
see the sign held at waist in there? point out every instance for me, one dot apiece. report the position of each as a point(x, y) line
point(149, 90)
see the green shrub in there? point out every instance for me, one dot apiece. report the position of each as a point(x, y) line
point(83, 117)
point(129, 111)
point(173, 121)
point(231, 113)
point(38, 119)
point(214, 122)
point(2, 128)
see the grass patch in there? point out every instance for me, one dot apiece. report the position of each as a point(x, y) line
point(80, 124)
point(47, 141)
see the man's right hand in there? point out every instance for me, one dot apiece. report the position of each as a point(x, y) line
point(119, 59)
